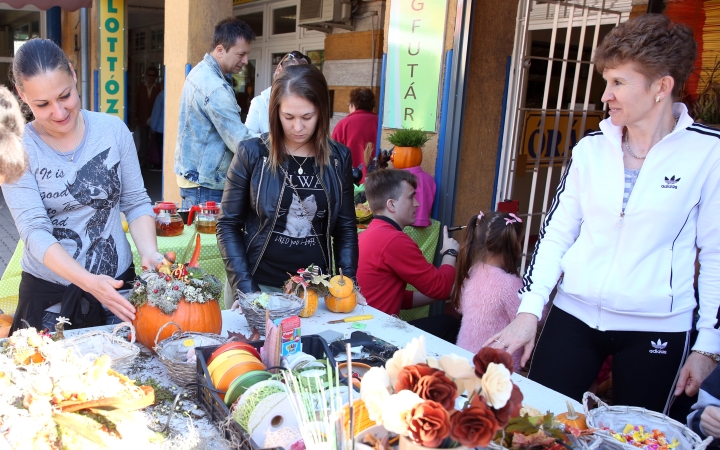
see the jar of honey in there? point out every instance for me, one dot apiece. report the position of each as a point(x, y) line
point(167, 221)
point(207, 216)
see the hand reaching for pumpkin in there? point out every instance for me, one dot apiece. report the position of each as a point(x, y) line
point(104, 289)
point(520, 333)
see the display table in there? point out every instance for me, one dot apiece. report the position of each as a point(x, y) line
point(210, 260)
point(147, 367)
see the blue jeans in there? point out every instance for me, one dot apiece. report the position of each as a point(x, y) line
point(198, 195)
point(50, 319)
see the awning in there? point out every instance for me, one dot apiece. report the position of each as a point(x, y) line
point(68, 5)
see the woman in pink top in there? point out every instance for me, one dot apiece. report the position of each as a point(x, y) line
point(486, 281)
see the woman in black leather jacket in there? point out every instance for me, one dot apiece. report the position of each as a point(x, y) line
point(288, 199)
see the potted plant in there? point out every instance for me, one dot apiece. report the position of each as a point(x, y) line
point(407, 142)
point(704, 108)
point(174, 292)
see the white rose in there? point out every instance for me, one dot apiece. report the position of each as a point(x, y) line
point(393, 366)
point(395, 408)
point(414, 352)
point(496, 385)
point(461, 371)
point(374, 401)
point(375, 378)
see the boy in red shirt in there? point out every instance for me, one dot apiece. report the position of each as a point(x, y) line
point(390, 259)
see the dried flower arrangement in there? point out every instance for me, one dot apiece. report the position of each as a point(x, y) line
point(164, 285)
point(52, 398)
point(424, 390)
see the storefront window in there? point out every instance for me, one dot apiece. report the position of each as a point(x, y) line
point(284, 20)
point(16, 28)
point(255, 20)
point(156, 39)
point(140, 41)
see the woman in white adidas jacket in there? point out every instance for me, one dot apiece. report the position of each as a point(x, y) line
point(637, 200)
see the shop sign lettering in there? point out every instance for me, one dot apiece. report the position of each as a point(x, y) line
point(553, 141)
point(415, 55)
point(112, 57)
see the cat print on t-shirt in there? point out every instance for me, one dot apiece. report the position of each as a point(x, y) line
point(298, 209)
point(299, 216)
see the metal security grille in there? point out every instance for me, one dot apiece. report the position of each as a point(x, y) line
point(549, 110)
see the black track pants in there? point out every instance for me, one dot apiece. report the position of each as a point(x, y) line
point(645, 367)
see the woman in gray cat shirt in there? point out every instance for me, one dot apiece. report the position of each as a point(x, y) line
point(83, 171)
point(288, 198)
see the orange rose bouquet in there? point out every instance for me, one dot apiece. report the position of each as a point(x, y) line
point(417, 397)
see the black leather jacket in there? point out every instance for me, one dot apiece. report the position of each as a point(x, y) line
point(251, 198)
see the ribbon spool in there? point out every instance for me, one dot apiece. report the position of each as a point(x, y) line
point(247, 403)
point(271, 415)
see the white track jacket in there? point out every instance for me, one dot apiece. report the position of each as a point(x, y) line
point(634, 271)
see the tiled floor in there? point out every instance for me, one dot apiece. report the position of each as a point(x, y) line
point(9, 235)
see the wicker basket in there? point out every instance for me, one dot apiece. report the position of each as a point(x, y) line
point(256, 316)
point(121, 352)
point(616, 417)
point(170, 352)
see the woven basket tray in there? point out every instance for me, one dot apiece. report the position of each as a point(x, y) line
point(121, 352)
point(171, 352)
point(256, 316)
point(617, 417)
point(583, 443)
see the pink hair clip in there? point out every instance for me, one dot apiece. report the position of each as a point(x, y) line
point(513, 218)
point(480, 216)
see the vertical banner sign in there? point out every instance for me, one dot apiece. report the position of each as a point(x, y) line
point(414, 62)
point(112, 57)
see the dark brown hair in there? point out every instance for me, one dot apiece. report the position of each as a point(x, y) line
point(38, 56)
point(13, 160)
point(228, 31)
point(657, 46)
point(307, 82)
point(362, 98)
point(491, 235)
point(386, 184)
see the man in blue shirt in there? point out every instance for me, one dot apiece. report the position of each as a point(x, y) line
point(210, 129)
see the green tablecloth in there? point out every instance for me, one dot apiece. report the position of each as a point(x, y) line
point(210, 260)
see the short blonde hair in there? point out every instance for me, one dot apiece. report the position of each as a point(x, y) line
point(13, 159)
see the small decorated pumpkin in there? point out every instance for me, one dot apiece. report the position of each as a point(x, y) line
point(572, 418)
point(311, 303)
point(341, 304)
point(405, 157)
point(341, 286)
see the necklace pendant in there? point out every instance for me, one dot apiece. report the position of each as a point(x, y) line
point(300, 171)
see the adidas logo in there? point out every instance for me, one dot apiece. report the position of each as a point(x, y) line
point(659, 346)
point(670, 183)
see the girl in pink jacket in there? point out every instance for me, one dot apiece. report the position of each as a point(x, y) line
point(486, 281)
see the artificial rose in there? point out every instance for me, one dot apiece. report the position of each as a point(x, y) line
point(488, 355)
point(438, 388)
point(413, 353)
point(428, 423)
point(461, 372)
point(474, 426)
point(511, 408)
point(395, 408)
point(375, 378)
point(497, 385)
point(374, 400)
point(410, 375)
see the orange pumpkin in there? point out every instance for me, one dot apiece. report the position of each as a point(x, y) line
point(340, 286)
point(341, 304)
point(311, 303)
point(572, 418)
point(5, 324)
point(404, 157)
point(192, 317)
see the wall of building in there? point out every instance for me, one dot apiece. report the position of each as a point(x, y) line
point(490, 48)
point(71, 44)
point(189, 28)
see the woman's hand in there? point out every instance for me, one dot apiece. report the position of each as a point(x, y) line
point(696, 369)
point(151, 260)
point(710, 421)
point(105, 290)
point(520, 333)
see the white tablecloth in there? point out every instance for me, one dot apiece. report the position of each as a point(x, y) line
point(383, 326)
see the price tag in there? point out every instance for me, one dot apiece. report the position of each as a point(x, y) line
point(358, 325)
point(189, 343)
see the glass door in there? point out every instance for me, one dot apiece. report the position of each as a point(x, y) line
point(244, 84)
